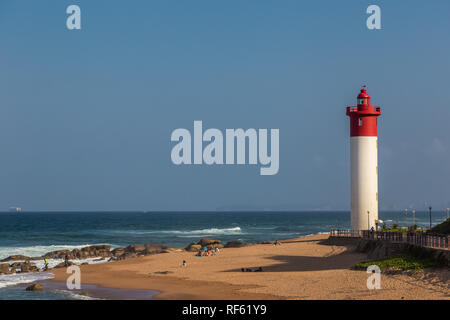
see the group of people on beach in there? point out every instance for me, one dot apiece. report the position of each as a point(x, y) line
point(206, 253)
point(66, 262)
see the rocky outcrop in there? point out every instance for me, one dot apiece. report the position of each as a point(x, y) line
point(133, 251)
point(83, 253)
point(24, 266)
point(194, 247)
point(210, 244)
point(4, 268)
point(235, 244)
point(15, 258)
point(35, 287)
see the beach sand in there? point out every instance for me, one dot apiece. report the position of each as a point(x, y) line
point(303, 268)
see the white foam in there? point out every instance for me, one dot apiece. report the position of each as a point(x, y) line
point(75, 295)
point(15, 279)
point(235, 230)
point(211, 231)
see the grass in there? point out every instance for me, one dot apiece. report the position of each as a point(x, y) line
point(399, 262)
point(443, 228)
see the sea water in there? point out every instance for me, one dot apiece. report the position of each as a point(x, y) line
point(35, 233)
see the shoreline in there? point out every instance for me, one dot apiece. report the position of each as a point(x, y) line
point(301, 268)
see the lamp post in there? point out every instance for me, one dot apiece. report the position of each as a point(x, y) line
point(429, 208)
point(368, 220)
point(413, 217)
point(406, 213)
point(447, 212)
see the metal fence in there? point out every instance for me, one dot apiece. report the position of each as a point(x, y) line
point(417, 238)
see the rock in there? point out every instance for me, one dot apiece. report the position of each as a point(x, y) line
point(265, 242)
point(206, 241)
point(15, 257)
point(34, 269)
point(95, 251)
point(85, 293)
point(127, 255)
point(235, 244)
point(193, 247)
point(4, 268)
point(58, 254)
point(102, 247)
point(118, 252)
point(25, 268)
point(154, 249)
point(135, 248)
point(35, 287)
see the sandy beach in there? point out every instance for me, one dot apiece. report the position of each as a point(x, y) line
point(302, 268)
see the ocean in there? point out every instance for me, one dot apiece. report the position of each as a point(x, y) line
point(35, 233)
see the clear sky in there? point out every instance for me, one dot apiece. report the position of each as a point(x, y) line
point(86, 116)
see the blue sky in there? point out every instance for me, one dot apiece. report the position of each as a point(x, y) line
point(86, 116)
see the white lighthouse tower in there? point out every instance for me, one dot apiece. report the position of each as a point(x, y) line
point(363, 162)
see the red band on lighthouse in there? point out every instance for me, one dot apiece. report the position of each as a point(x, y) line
point(363, 117)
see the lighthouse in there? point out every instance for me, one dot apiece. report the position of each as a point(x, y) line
point(363, 162)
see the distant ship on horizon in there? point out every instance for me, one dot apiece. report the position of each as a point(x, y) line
point(15, 209)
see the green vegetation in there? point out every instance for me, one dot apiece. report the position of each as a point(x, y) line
point(396, 228)
point(443, 228)
point(400, 262)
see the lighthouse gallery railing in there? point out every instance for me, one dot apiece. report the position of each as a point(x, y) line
point(419, 239)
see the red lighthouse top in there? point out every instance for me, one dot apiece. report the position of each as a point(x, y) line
point(363, 117)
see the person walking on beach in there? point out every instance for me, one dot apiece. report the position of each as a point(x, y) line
point(184, 264)
point(45, 264)
point(66, 261)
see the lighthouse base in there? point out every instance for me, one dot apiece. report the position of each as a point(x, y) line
point(364, 182)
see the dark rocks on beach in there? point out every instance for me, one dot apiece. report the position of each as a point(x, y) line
point(35, 287)
point(83, 253)
point(4, 268)
point(194, 247)
point(155, 249)
point(207, 241)
point(133, 251)
point(24, 266)
point(118, 252)
point(15, 258)
point(235, 244)
point(210, 244)
point(127, 255)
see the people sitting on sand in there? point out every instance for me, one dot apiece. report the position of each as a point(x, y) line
point(217, 249)
point(277, 243)
point(199, 253)
point(184, 264)
point(252, 270)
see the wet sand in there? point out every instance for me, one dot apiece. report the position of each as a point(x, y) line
point(303, 268)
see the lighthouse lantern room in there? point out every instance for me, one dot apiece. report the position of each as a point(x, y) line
point(363, 162)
